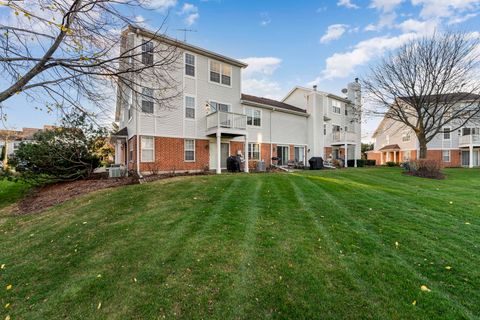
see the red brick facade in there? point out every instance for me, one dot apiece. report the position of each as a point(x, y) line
point(455, 157)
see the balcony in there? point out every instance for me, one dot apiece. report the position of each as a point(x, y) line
point(469, 140)
point(339, 138)
point(226, 123)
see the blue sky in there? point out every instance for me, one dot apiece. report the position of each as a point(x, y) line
point(288, 43)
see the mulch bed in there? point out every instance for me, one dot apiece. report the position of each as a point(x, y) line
point(44, 197)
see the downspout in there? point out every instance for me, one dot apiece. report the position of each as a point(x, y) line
point(271, 146)
point(137, 144)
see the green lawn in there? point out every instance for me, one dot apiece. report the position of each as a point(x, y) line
point(355, 243)
point(11, 191)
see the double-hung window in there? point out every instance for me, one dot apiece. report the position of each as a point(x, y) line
point(406, 136)
point(336, 109)
point(189, 107)
point(220, 73)
point(254, 117)
point(446, 155)
point(128, 99)
point(147, 100)
point(189, 64)
point(148, 152)
point(222, 107)
point(254, 151)
point(147, 53)
point(189, 149)
point(446, 133)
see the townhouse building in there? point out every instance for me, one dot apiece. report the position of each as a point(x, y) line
point(456, 145)
point(212, 118)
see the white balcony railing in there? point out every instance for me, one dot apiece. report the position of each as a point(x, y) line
point(228, 120)
point(470, 139)
point(338, 136)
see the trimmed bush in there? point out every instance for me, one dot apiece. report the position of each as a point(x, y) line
point(370, 162)
point(360, 163)
point(425, 169)
point(391, 164)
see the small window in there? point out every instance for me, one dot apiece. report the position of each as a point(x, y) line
point(406, 136)
point(189, 64)
point(147, 100)
point(189, 107)
point(220, 73)
point(222, 107)
point(128, 99)
point(446, 155)
point(148, 154)
point(346, 112)
point(254, 117)
point(407, 155)
point(147, 53)
point(254, 151)
point(325, 129)
point(446, 133)
point(130, 151)
point(336, 110)
point(189, 150)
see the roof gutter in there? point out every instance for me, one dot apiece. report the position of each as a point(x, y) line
point(266, 106)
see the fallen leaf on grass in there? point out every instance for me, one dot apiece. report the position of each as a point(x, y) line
point(448, 267)
point(7, 318)
point(99, 306)
point(99, 275)
point(7, 305)
point(9, 287)
point(414, 302)
point(424, 288)
point(396, 244)
point(2, 266)
point(467, 222)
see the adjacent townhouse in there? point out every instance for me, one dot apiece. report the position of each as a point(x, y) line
point(11, 139)
point(213, 119)
point(394, 141)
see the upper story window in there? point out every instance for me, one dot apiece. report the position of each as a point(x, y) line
point(147, 100)
point(222, 107)
point(220, 73)
point(336, 109)
point(446, 133)
point(406, 136)
point(147, 53)
point(189, 107)
point(128, 99)
point(189, 64)
point(254, 117)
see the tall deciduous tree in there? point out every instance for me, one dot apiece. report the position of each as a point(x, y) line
point(66, 53)
point(428, 84)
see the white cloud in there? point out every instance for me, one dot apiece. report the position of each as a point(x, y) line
point(161, 5)
point(347, 4)
point(190, 12)
point(265, 19)
point(386, 20)
point(387, 14)
point(445, 8)
point(334, 32)
point(341, 65)
point(261, 65)
point(256, 78)
point(422, 27)
point(461, 18)
point(385, 5)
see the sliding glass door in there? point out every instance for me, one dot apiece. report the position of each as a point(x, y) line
point(283, 155)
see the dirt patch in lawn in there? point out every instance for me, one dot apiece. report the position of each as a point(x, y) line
point(44, 197)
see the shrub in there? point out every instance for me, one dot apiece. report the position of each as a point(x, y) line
point(391, 164)
point(425, 168)
point(370, 162)
point(360, 163)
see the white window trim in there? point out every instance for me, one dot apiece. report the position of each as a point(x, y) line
point(449, 156)
point(259, 151)
point(406, 133)
point(219, 102)
point(141, 149)
point(153, 52)
point(185, 64)
point(261, 117)
point(194, 150)
point(153, 101)
point(339, 108)
point(221, 69)
point(185, 107)
point(443, 133)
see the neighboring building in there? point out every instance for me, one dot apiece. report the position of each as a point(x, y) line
point(11, 139)
point(213, 119)
point(394, 141)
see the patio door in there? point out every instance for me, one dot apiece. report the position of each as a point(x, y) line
point(224, 154)
point(476, 158)
point(300, 155)
point(283, 155)
point(465, 158)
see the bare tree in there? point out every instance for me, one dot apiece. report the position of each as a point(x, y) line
point(64, 54)
point(428, 84)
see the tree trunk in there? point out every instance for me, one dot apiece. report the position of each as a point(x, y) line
point(423, 147)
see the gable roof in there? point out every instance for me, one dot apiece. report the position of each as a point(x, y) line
point(271, 103)
point(184, 45)
point(310, 90)
point(446, 97)
point(390, 147)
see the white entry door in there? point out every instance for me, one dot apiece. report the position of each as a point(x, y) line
point(224, 154)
